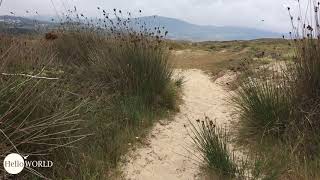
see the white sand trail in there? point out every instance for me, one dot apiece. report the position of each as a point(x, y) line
point(166, 157)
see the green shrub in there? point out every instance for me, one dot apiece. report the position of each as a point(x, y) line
point(264, 107)
point(211, 142)
point(139, 68)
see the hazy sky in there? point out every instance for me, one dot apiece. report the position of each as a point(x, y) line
point(247, 13)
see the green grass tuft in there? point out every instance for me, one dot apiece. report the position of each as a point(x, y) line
point(265, 108)
point(211, 142)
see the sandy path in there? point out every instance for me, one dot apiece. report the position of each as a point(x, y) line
point(166, 157)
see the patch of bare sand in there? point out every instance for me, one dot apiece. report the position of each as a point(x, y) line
point(168, 156)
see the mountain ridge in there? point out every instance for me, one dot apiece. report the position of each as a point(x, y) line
point(183, 30)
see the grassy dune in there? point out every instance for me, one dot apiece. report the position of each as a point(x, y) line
point(81, 96)
point(103, 91)
point(279, 111)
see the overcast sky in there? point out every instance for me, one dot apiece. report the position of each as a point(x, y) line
point(246, 13)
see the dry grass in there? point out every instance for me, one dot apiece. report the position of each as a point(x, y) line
point(238, 56)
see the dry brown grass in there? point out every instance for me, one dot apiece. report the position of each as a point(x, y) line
point(217, 57)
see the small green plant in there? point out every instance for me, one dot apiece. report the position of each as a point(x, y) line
point(211, 141)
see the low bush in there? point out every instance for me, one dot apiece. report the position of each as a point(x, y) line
point(211, 142)
point(265, 109)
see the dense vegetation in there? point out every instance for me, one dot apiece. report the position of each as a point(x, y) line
point(81, 95)
point(280, 112)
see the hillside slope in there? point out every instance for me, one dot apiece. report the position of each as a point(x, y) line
point(178, 29)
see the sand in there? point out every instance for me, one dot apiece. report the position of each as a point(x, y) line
point(169, 154)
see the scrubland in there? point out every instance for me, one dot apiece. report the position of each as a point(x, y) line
point(82, 95)
point(277, 105)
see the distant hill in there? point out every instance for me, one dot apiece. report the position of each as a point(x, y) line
point(21, 21)
point(182, 30)
point(178, 29)
point(20, 25)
